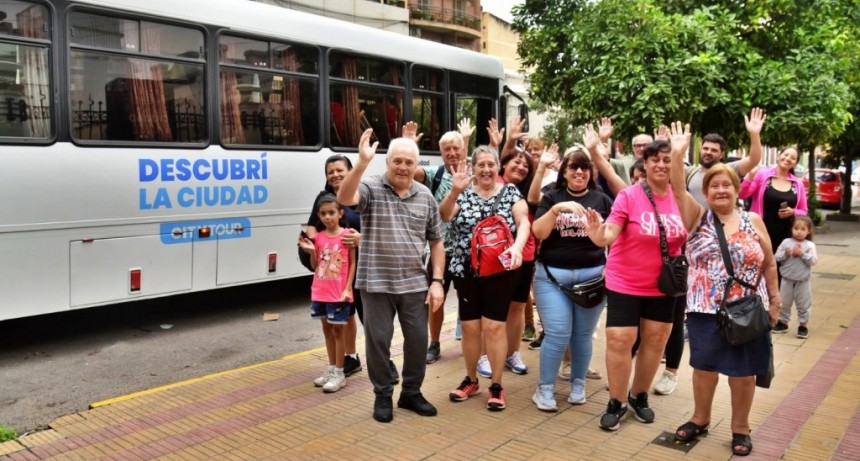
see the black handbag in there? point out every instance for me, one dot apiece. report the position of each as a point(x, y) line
point(587, 294)
point(745, 319)
point(672, 280)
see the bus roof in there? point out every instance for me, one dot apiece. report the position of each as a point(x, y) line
point(255, 18)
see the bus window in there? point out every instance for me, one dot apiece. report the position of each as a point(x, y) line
point(123, 96)
point(355, 106)
point(25, 85)
point(475, 98)
point(428, 105)
point(274, 104)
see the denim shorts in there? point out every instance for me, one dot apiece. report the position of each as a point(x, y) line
point(334, 313)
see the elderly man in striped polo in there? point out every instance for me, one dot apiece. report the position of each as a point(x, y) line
point(398, 217)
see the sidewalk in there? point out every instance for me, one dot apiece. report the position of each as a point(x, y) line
point(272, 411)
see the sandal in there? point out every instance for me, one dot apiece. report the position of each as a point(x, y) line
point(691, 431)
point(744, 441)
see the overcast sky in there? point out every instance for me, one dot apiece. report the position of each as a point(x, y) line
point(500, 8)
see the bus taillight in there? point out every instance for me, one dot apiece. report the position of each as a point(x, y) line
point(134, 276)
point(273, 263)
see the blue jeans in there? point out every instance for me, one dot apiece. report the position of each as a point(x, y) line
point(564, 322)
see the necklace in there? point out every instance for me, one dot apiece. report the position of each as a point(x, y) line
point(577, 193)
point(486, 193)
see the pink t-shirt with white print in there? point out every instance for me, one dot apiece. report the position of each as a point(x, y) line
point(332, 270)
point(634, 260)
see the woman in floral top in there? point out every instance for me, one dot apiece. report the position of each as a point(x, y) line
point(751, 255)
point(484, 301)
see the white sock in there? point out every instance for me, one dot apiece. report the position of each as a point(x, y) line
point(355, 356)
point(338, 372)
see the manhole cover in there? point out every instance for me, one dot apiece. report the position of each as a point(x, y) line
point(667, 439)
point(830, 275)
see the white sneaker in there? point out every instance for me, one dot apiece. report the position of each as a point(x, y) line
point(544, 398)
point(320, 382)
point(667, 384)
point(335, 383)
point(564, 371)
point(515, 363)
point(484, 367)
point(577, 392)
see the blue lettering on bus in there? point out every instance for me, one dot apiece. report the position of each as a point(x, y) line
point(168, 169)
point(203, 196)
point(220, 229)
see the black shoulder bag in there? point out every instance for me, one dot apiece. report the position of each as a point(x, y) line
point(672, 280)
point(745, 319)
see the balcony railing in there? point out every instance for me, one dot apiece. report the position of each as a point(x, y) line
point(445, 15)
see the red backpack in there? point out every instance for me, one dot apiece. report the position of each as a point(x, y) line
point(490, 239)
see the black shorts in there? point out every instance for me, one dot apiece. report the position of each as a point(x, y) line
point(488, 297)
point(524, 284)
point(623, 310)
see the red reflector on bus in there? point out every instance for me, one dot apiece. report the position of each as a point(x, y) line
point(134, 280)
point(204, 232)
point(273, 263)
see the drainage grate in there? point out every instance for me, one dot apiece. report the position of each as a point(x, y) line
point(667, 439)
point(830, 275)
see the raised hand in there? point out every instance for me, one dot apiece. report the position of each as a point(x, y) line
point(680, 137)
point(465, 128)
point(549, 156)
point(590, 139)
point(662, 133)
point(604, 129)
point(515, 130)
point(367, 151)
point(593, 222)
point(495, 133)
point(755, 122)
point(410, 131)
point(462, 177)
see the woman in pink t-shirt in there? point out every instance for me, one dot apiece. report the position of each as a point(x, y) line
point(634, 303)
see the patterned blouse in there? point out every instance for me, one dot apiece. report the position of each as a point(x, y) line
point(473, 209)
point(708, 276)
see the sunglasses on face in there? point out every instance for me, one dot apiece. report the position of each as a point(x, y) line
point(579, 166)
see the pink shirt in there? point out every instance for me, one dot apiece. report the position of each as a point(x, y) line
point(756, 187)
point(332, 270)
point(634, 260)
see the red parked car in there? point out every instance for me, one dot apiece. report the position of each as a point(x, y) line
point(828, 185)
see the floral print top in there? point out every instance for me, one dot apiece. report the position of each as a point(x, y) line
point(708, 276)
point(473, 209)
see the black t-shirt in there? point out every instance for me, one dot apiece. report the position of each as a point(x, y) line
point(568, 244)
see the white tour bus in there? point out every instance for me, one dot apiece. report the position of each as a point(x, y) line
point(158, 147)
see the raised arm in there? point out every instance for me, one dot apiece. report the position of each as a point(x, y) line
point(600, 156)
point(348, 193)
point(448, 208)
point(690, 209)
point(548, 157)
point(515, 132)
point(496, 135)
point(754, 124)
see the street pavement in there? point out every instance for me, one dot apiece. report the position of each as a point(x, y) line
point(272, 411)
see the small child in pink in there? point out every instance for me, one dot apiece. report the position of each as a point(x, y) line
point(331, 291)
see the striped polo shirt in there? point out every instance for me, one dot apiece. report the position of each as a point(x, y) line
point(394, 231)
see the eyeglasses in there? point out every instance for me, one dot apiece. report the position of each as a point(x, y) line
point(640, 146)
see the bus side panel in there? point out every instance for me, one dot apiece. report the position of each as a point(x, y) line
point(245, 260)
point(101, 269)
point(34, 274)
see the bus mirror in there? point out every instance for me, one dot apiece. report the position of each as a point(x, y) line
point(523, 111)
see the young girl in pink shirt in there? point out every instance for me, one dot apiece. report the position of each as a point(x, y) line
point(331, 291)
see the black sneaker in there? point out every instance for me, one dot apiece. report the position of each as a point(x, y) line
point(640, 408)
point(780, 327)
point(395, 376)
point(802, 332)
point(383, 410)
point(433, 352)
point(351, 365)
point(535, 345)
point(615, 413)
point(416, 403)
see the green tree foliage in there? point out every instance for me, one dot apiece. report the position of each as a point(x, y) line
point(648, 62)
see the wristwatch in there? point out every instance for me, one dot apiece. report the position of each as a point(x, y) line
point(441, 281)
